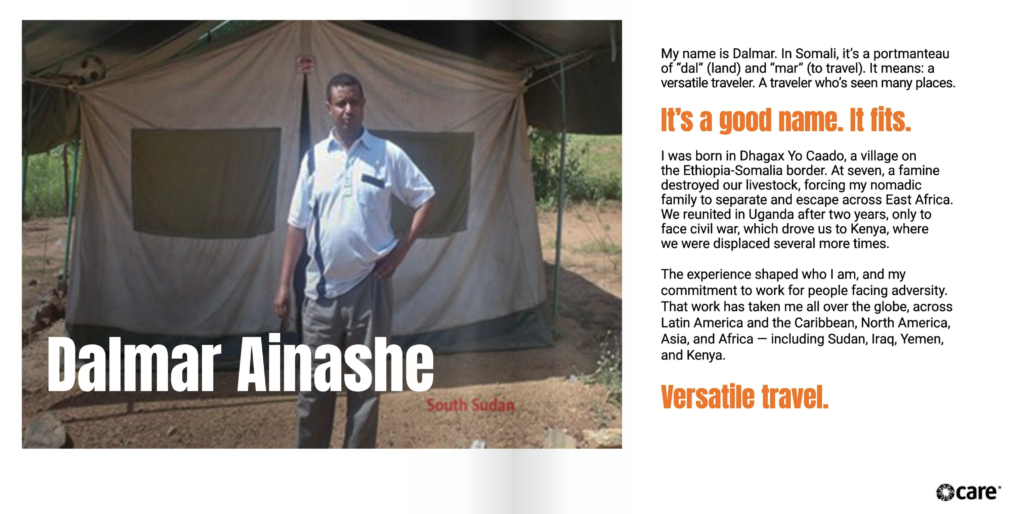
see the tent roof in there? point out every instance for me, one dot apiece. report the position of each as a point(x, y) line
point(498, 43)
point(52, 48)
point(58, 52)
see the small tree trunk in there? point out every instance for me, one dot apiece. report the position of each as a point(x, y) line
point(67, 193)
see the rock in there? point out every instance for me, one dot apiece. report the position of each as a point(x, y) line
point(604, 438)
point(478, 444)
point(171, 431)
point(43, 317)
point(573, 379)
point(51, 309)
point(557, 439)
point(46, 431)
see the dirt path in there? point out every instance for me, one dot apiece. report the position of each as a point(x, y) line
point(537, 382)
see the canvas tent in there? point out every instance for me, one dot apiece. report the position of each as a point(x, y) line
point(189, 165)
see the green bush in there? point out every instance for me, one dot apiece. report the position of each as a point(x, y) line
point(581, 184)
point(608, 372)
point(44, 187)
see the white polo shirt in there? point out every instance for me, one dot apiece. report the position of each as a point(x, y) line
point(345, 208)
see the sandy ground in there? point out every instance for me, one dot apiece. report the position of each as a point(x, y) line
point(537, 382)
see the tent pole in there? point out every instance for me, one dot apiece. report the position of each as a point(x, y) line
point(561, 191)
point(71, 209)
point(561, 159)
point(24, 151)
point(24, 178)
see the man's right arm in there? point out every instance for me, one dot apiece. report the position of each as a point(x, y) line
point(295, 239)
point(294, 242)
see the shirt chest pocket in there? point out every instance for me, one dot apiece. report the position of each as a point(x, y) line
point(372, 185)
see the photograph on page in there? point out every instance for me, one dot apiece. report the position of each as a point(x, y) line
point(388, 234)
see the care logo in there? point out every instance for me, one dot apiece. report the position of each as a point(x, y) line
point(946, 492)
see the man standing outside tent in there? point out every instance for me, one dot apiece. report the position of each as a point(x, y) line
point(341, 212)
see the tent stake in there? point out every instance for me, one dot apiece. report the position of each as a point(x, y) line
point(71, 209)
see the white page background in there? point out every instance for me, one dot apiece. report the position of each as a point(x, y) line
point(901, 421)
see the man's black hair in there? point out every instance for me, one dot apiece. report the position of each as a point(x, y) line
point(343, 80)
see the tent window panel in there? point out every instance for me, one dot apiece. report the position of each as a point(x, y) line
point(211, 184)
point(446, 159)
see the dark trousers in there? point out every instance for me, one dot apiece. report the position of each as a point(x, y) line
point(356, 317)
